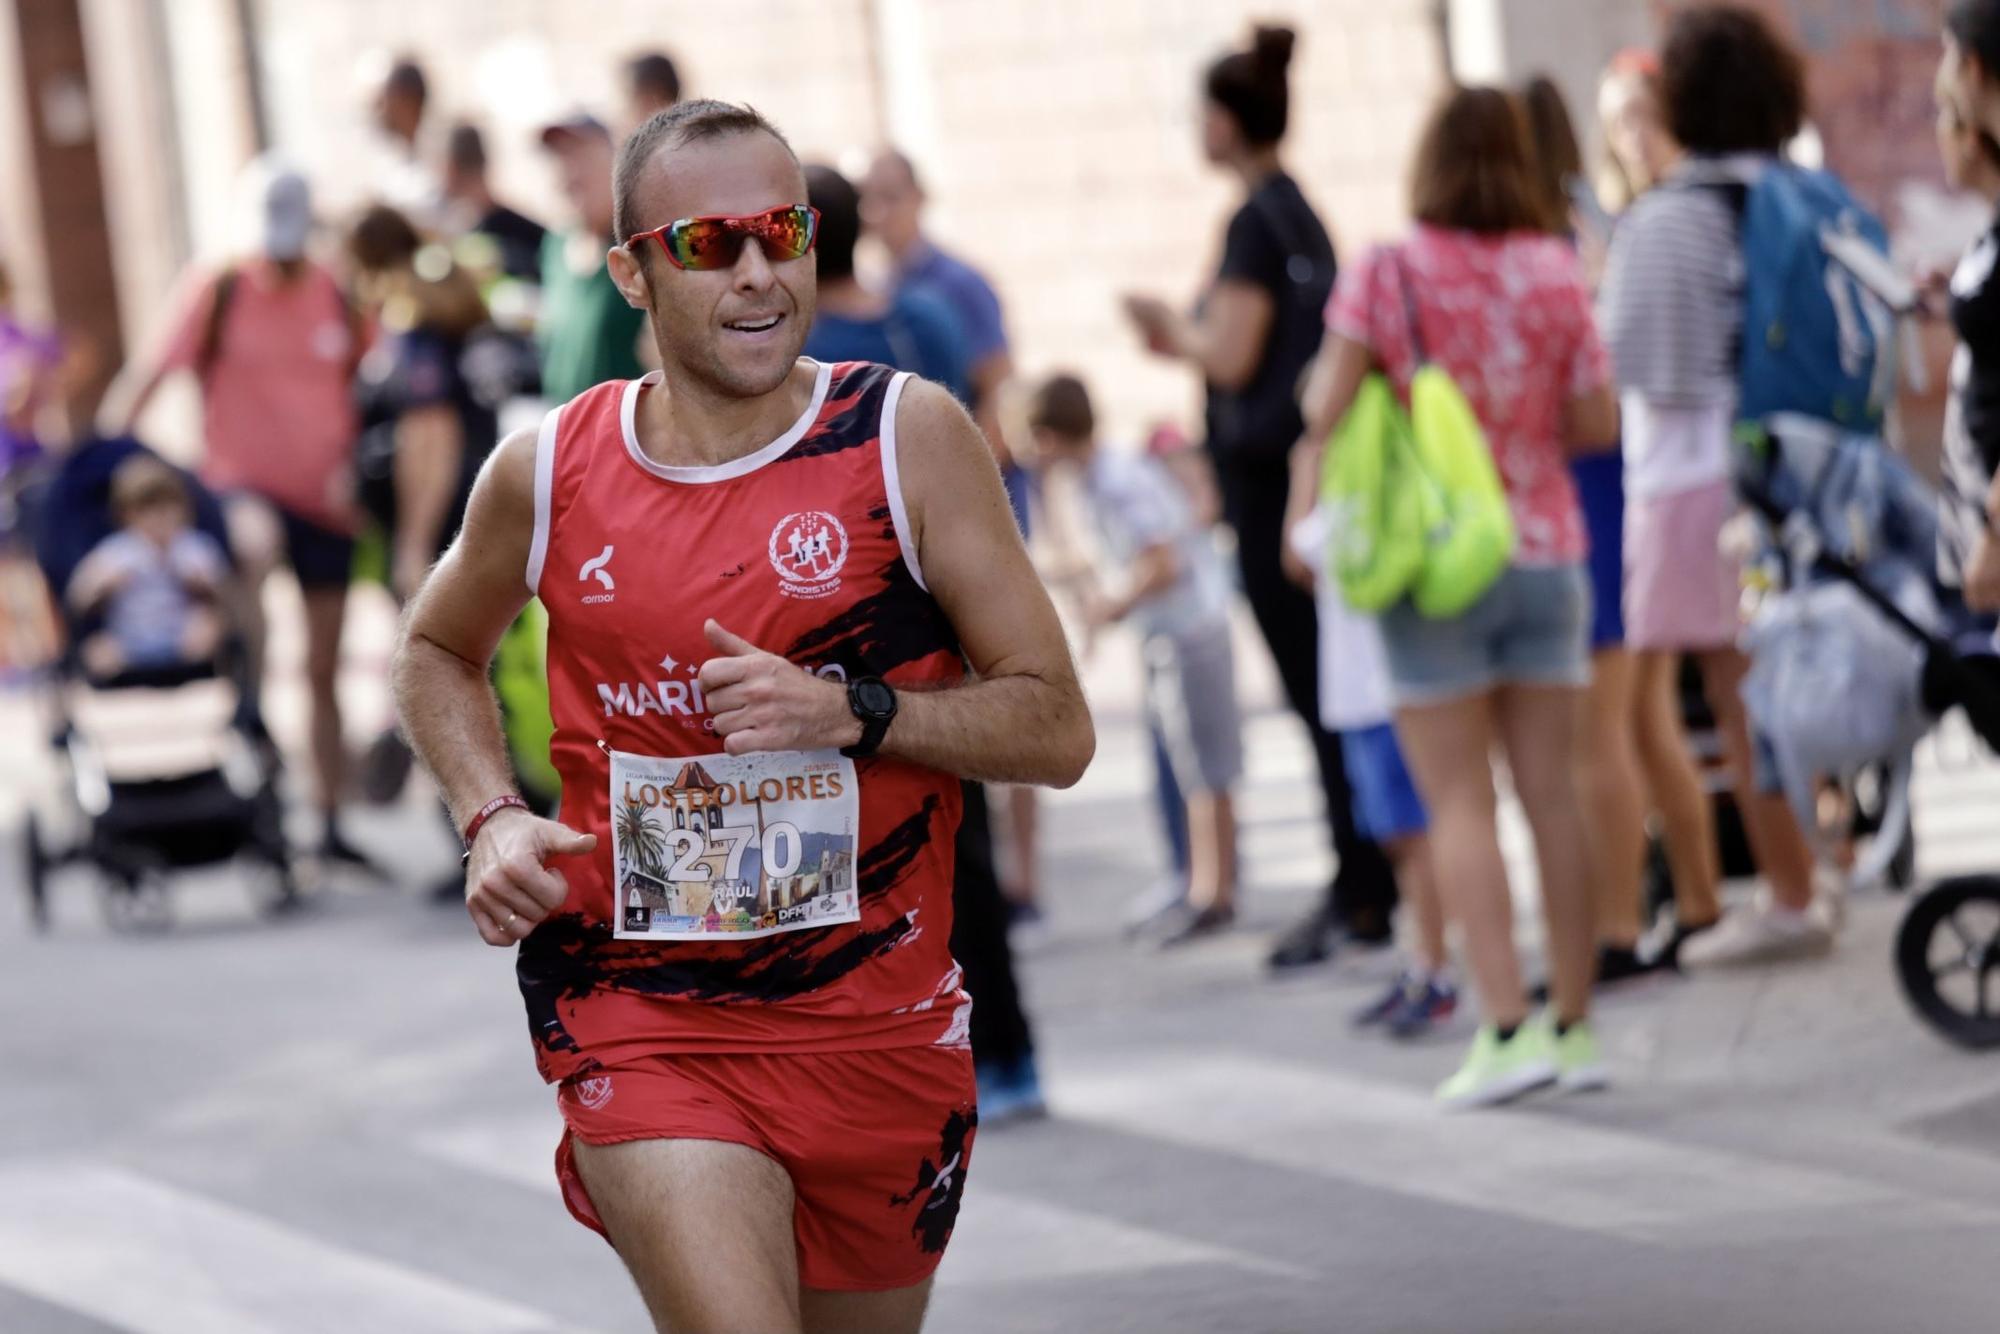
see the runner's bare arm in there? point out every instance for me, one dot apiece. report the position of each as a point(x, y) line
point(448, 708)
point(1021, 719)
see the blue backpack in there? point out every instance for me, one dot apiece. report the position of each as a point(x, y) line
point(1817, 339)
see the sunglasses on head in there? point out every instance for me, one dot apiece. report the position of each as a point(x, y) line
point(717, 242)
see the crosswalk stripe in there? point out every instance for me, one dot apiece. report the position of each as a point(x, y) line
point(1513, 1163)
point(154, 1259)
point(1005, 1239)
point(1001, 1238)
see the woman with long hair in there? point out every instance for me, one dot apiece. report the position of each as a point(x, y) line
point(1609, 774)
point(1969, 510)
point(1501, 305)
point(1252, 337)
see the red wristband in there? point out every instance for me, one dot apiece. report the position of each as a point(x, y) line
point(488, 811)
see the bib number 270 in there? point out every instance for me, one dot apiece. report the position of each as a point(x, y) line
point(782, 846)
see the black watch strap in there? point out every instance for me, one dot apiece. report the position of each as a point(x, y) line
point(871, 700)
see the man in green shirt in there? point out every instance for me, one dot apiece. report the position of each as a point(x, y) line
point(587, 331)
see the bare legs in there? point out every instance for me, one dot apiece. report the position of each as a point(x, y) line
point(1538, 728)
point(1411, 858)
point(1783, 855)
point(326, 608)
point(672, 1207)
point(1449, 746)
point(1022, 823)
point(1608, 776)
point(1686, 821)
point(1211, 823)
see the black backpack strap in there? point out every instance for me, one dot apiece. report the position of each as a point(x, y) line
point(210, 347)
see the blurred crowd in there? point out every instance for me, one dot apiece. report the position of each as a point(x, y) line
point(1590, 316)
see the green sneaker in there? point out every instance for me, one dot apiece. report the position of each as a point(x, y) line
point(1580, 1066)
point(1495, 1072)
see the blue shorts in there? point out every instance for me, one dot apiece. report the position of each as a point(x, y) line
point(319, 557)
point(1531, 629)
point(1386, 803)
point(1020, 484)
point(1600, 486)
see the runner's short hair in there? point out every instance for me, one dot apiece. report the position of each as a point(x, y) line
point(1730, 83)
point(839, 205)
point(1062, 406)
point(679, 125)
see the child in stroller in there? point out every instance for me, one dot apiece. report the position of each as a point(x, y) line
point(154, 582)
point(136, 553)
point(1854, 661)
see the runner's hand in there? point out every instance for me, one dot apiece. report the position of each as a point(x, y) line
point(509, 888)
point(760, 701)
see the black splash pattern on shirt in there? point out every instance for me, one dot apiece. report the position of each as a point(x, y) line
point(851, 415)
point(568, 957)
point(895, 627)
point(941, 1183)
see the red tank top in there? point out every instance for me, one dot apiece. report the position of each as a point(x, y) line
point(802, 548)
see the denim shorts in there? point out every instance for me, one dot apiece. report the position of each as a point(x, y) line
point(1531, 629)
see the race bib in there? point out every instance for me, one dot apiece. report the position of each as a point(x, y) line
point(733, 846)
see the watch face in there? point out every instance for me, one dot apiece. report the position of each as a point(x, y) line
point(874, 697)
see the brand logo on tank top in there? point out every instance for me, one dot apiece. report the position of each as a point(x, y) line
point(669, 696)
point(594, 568)
point(808, 550)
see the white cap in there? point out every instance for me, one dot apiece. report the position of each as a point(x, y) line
point(277, 207)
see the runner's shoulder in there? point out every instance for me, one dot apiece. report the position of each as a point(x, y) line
point(931, 421)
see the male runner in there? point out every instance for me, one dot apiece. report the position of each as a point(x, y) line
point(736, 967)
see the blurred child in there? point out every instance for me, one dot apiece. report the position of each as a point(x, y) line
point(1355, 705)
point(156, 579)
point(1172, 585)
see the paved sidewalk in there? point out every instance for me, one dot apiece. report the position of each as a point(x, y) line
point(332, 1124)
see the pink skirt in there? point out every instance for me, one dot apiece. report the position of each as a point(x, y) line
point(1681, 593)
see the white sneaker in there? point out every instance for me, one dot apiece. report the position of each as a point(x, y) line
point(1762, 933)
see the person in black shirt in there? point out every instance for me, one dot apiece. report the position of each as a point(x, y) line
point(1969, 501)
point(471, 208)
point(1252, 338)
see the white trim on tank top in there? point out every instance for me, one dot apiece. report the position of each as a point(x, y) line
point(720, 472)
point(892, 479)
point(545, 480)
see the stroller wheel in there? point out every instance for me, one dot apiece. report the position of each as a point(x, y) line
point(37, 857)
point(1948, 956)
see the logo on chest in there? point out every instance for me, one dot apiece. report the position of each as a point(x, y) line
point(808, 550)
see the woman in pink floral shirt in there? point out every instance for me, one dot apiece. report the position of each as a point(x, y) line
point(1501, 304)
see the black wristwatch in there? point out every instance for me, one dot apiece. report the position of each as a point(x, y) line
point(871, 700)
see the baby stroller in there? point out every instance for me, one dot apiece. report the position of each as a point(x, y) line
point(1853, 663)
point(139, 826)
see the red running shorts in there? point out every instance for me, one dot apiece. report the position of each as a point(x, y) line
point(876, 1144)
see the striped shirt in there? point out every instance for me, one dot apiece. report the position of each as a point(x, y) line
point(1672, 311)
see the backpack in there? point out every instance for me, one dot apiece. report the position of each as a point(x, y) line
point(208, 349)
point(1377, 508)
point(1415, 499)
point(1471, 534)
point(1817, 339)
